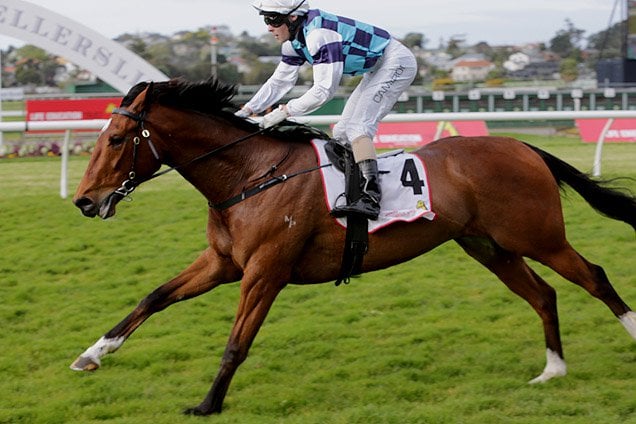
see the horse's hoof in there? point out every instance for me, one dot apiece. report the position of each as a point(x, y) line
point(84, 363)
point(549, 374)
point(200, 412)
point(195, 411)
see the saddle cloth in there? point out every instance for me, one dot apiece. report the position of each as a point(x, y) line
point(405, 193)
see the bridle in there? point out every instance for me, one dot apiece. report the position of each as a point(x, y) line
point(129, 185)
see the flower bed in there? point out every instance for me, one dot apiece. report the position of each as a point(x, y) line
point(32, 148)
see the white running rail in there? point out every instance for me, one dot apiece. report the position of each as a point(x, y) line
point(97, 124)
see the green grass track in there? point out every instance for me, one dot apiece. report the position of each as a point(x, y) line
point(435, 340)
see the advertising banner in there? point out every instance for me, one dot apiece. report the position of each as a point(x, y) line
point(69, 109)
point(74, 109)
point(622, 130)
point(393, 135)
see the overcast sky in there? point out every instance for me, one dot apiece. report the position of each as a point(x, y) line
point(493, 21)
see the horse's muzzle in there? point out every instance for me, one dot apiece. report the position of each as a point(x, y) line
point(91, 209)
point(87, 206)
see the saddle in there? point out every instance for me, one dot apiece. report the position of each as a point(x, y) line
point(356, 238)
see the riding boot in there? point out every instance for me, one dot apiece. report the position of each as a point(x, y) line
point(368, 204)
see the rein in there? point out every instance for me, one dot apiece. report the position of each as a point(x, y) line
point(129, 185)
point(261, 187)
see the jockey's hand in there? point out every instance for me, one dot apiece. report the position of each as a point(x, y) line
point(275, 117)
point(244, 112)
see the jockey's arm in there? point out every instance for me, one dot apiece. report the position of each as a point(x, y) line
point(326, 48)
point(282, 80)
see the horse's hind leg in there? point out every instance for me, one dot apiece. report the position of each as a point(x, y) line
point(523, 281)
point(575, 268)
point(205, 273)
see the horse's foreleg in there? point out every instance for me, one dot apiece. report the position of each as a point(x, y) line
point(523, 281)
point(205, 273)
point(256, 299)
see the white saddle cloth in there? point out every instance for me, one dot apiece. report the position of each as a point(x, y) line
point(405, 193)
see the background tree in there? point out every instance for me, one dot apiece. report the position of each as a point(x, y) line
point(567, 41)
point(258, 47)
point(259, 72)
point(34, 66)
point(569, 69)
point(187, 54)
point(139, 47)
point(414, 40)
point(454, 47)
point(608, 44)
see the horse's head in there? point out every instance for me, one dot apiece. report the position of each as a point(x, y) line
point(124, 156)
point(177, 122)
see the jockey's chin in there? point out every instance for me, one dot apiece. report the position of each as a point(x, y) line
point(281, 33)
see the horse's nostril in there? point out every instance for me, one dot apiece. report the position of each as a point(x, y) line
point(83, 201)
point(86, 205)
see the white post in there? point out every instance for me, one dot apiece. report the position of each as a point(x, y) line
point(64, 173)
point(599, 148)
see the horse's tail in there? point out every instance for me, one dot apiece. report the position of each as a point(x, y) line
point(619, 205)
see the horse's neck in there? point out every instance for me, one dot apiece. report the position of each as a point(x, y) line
point(240, 165)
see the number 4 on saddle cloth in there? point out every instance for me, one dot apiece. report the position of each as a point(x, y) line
point(405, 191)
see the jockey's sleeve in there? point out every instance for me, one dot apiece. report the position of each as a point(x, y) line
point(282, 80)
point(325, 47)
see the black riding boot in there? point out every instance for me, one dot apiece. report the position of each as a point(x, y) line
point(368, 204)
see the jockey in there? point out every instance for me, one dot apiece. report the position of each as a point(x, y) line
point(335, 45)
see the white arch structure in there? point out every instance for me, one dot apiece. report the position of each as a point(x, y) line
point(77, 43)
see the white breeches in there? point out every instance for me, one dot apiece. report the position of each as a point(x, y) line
point(377, 93)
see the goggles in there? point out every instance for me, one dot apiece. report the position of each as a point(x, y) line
point(275, 20)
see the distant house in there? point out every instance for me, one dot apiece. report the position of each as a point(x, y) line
point(516, 62)
point(439, 60)
point(471, 70)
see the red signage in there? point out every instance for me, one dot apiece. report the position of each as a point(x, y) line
point(413, 134)
point(75, 109)
point(621, 130)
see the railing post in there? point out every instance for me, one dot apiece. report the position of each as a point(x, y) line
point(596, 170)
point(64, 173)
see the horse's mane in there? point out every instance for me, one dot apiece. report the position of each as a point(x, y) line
point(212, 97)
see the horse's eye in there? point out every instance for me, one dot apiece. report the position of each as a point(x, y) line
point(116, 140)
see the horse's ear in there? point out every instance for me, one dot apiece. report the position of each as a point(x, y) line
point(148, 97)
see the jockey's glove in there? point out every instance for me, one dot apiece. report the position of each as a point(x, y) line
point(244, 112)
point(275, 117)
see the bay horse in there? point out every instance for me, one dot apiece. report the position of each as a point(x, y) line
point(497, 197)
